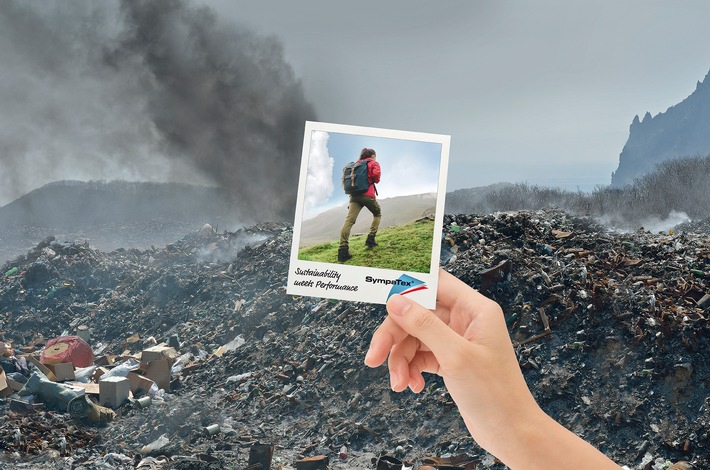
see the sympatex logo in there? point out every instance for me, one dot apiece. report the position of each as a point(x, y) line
point(408, 285)
point(403, 285)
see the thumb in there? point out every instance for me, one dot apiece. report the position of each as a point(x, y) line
point(424, 325)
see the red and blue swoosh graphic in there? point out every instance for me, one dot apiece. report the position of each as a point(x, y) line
point(408, 285)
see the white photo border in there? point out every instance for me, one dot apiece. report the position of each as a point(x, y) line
point(362, 283)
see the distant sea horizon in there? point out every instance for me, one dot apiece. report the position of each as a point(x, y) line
point(585, 184)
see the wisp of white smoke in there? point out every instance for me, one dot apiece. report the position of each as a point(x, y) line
point(656, 224)
point(653, 224)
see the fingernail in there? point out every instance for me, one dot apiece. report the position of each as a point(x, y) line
point(398, 305)
point(367, 356)
point(394, 380)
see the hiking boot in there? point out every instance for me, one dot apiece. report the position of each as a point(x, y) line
point(370, 242)
point(343, 254)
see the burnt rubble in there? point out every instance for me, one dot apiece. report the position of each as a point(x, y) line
point(611, 331)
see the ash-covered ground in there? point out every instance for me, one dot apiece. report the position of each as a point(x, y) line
point(622, 362)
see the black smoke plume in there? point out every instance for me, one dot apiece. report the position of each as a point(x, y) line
point(149, 90)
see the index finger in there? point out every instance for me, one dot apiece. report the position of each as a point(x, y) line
point(385, 336)
point(450, 291)
point(390, 333)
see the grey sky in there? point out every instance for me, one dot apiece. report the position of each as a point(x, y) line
point(540, 91)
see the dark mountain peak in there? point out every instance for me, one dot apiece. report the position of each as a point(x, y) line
point(683, 130)
point(705, 82)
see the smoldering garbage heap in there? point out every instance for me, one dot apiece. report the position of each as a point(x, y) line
point(611, 331)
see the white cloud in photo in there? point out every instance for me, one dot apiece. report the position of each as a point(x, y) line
point(319, 180)
point(406, 176)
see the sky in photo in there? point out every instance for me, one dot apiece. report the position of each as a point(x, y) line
point(408, 167)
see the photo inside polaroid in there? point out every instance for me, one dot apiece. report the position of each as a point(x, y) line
point(369, 211)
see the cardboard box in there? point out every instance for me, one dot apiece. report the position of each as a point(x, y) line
point(156, 361)
point(113, 391)
point(14, 385)
point(5, 389)
point(89, 388)
point(48, 373)
point(159, 372)
point(140, 385)
point(63, 371)
point(159, 352)
point(98, 373)
point(105, 360)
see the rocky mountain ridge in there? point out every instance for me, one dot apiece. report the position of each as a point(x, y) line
point(682, 131)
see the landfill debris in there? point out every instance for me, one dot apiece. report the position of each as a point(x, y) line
point(317, 462)
point(55, 395)
point(461, 462)
point(611, 331)
point(113, 391)
point(212, 429)
point(67, 349)
point(388, 462)
point(156, 445)
point(260, 456)
point(62, 371)
point(83, 408)
point(144, 402)
point(230, 346)
point(680, 466)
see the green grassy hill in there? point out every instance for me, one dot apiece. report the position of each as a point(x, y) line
point(396, 211)
point(404, 247)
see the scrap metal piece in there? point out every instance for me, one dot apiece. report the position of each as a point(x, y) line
point(704, 302)
point(388, 462)
point(212, 429)
point(260, 456)
point(317, 462)
point(559, 234)
point(456, 462)
point(491, 277)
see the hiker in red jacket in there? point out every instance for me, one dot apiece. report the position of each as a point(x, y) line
point(357, 202)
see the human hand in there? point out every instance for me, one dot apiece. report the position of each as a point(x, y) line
point(465, 340)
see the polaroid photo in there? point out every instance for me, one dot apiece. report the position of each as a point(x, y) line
point(369, 214)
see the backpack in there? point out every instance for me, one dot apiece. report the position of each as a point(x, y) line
point(355, 177)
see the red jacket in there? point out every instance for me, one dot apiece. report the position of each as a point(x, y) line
point(373, 176)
